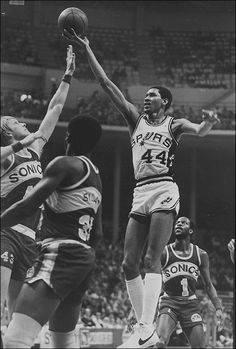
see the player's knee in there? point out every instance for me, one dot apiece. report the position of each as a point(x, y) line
point(63, 339)
point(130, 268)
point(151, 264)
point(21, 332)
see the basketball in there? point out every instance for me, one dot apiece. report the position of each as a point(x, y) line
point(75, 18)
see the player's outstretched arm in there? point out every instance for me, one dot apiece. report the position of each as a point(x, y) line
point(209, 287)
point(209, 118)
point(127, 109)
point(17, 146)
point(57, 102)
point(54, 174)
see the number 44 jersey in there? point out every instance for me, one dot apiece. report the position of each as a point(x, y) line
point(153, 148)
point(69, 212)
point(180, 274)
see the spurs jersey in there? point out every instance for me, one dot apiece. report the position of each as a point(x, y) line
point(70, 211)
point(153, 148)
point(23, 173)
point(180, 274)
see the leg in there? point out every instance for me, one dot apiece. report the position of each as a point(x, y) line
point(62, 325)
point(35, 304)
point(135, 238)
point(5, 280)
point(165, 327)
point(159, 235)
point(13, 292)
point(195, 336)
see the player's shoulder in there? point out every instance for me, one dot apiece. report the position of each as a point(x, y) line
point(178, 123)
point(203, 254)
point(201, 251)
point(166, 250)
point(65, 162)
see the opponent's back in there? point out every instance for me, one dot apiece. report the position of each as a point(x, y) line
point(180, 274)
point(70, 211)
point(153, 147)
point(22, 174)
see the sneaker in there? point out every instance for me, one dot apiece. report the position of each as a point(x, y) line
point(148, 336)
point(132, 341)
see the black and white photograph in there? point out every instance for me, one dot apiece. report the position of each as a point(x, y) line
point(117, 174)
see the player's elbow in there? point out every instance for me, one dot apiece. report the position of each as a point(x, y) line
point(201, 134)
point(56, 108)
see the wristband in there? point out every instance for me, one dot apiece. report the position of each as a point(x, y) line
point(44, 139)
point(17, 147)
point(67, 78)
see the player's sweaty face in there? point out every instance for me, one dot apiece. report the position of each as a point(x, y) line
point(152, 101)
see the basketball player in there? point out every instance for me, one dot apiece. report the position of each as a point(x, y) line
point(71, 190)
point(154, 138)
point(20, 171)
point(182, 264)
point(231, 249)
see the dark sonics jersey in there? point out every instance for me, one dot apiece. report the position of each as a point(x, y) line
point(69, 212)
point(22, 174)
point(180, 274)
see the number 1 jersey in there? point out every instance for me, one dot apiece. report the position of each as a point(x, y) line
point(180, 274)
point(153, 148)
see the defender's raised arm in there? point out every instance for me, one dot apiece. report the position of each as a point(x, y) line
point(58, 100)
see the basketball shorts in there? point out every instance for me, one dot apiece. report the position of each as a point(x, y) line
point(187, 312)
point(154, 197)
point(18, 250)
point(65, 266)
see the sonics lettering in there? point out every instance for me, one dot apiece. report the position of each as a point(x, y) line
point(180, 269)
point(26, 170)
point(151, 137)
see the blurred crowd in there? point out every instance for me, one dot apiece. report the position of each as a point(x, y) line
point(180, 59)
point(33, 106)
point(195, 59)
point(18, 45)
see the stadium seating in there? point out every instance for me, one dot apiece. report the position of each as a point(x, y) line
point(179, 59)
point(196, 59)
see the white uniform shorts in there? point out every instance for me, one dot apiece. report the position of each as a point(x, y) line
point(153, 197)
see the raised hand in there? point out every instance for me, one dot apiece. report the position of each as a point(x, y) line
point(210, 116)
point(70, 61)
point(75, 38)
